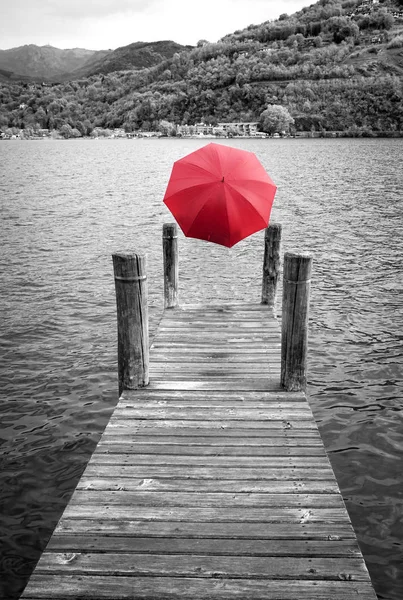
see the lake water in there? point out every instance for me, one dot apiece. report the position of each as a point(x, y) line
point(67, 205)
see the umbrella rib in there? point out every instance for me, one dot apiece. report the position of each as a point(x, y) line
point(249, 202)
point(220, 194)
point(208, 171)
point(202, 207)
point(226, 212)
point(191, 187)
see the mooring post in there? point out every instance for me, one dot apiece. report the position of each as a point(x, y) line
point(271, 264)
point(294, 331)
point(132, 316)
point(171, 264)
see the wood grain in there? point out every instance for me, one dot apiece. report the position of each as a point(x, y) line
point(210, 483)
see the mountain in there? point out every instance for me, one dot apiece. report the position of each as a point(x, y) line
point(45, 62)
point(337, 65)
point(138, 55)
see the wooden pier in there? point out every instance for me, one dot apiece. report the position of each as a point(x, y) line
point(211, 482)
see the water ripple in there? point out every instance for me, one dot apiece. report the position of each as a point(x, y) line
point(75, 203)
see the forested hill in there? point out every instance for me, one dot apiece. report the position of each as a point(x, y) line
point(334, 66)
point(49, 64)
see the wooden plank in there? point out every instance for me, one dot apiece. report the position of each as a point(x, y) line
point(219, 403)
point(233, 307)
point(239, 345)
point(120, 447)
point(214, 363)
point(147, 394)
point(211, 483)
point(211, 461)
point(225, 334)
point(205, 428)
point(176, 355)
point(159, 370)
point(223, 349)
point(235, 326)
point(202, 327)
point(218, 547)
point(204, 514)
point(231, 500)
point(238, 320)
point(206, 566)
point(273, 429)
point(327, 532)
point(327, 486)
point(211, 414)
point(187, 425)
point(95, 469)
point(46, 587)
point(202, 376)
point(217, 443)
point(250, 384)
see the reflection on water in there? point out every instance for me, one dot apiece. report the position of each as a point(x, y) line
point(67, 205)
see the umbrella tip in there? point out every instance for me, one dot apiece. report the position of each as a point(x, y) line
point(222, 179)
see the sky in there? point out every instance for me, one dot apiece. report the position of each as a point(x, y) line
point(109, 24)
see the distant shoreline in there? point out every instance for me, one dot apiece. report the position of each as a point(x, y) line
point(299, 135)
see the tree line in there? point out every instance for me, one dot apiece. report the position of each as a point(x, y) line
point(309, 64)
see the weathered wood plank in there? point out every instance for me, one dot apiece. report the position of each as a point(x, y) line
point(332, 531)
point(95, 469)
point(231, 500)
point(266, 377)
point(47, 587)
point(213, 366)
point(222, 336)
point(167, 460)
point(223, 349)
point(219, 566)
point(219, 403)
point(217, 443)
point(211, 483)
point(225, 308)
point(203, 514)
point(250, 384)
point(201, 326)
point(282, 429)
point(200, 486)
point(171, 355)
point(218, 546)
point(212, 369)
point(211, 414)
point(120, 447)
point(188, 425)
point(146, 394)
point(239, 344)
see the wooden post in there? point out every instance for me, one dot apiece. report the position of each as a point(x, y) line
point(132, 316)
point(271, 264)
point(294, 334)
point(171, 268)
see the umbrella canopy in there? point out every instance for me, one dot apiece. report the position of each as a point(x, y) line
point(220, 194)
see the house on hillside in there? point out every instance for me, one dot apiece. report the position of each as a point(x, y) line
point(365, 7)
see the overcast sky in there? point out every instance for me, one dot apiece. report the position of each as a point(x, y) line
point(108, 24)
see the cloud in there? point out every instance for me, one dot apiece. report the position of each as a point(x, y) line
point(76, 9)
point(17, 10)
point(67, 23)
point(103, 24)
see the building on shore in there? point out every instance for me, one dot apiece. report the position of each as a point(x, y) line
point(220, 130)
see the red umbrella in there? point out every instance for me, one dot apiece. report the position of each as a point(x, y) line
point(220, 194)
